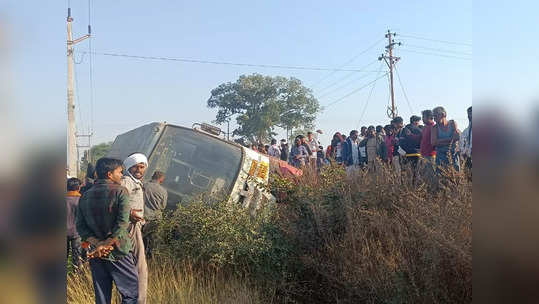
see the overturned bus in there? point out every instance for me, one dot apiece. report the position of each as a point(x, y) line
point(197, 162)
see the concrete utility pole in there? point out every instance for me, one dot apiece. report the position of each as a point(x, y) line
point(390, 61)
point(72, 160)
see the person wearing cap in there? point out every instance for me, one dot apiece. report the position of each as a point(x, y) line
point(135, 166)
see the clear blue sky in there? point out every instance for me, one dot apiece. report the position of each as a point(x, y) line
point(131, 92)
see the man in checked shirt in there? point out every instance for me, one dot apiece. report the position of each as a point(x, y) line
point(102, 221)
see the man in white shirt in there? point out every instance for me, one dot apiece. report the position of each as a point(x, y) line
point(135, 166)
point(313, 144)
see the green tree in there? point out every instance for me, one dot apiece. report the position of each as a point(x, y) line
point(262, 103)
point(96, 152)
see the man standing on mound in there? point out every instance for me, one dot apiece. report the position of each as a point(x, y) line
point(136, 165)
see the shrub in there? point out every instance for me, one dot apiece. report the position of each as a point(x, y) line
point(225, 237)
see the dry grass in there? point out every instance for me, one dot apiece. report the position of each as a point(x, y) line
point(379, 238)
point(174, 283)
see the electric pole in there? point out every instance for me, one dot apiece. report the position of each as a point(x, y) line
point(390, 61)
point(72, 160)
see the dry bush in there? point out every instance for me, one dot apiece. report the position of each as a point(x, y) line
point(378, 238)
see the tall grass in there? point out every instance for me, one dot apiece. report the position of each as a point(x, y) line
point(174, 282)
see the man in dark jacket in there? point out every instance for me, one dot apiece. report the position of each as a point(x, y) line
point(350, 154)
point(411, 141)
point(411, 136)
point(73, 238)
point(89, 180)
point(284, 150)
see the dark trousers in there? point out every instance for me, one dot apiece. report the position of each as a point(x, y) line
point(74, 245)
point(149, 231)
point(124, 274)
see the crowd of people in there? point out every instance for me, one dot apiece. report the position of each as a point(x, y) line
point(437, 141)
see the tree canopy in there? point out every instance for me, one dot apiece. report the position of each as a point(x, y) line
point(96, 153)
point(261, 103)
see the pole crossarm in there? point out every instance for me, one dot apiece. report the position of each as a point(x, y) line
point(73, 42)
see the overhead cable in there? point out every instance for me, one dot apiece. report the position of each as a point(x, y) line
point(273, 66)
point(346, 76)
point(436, 40)
point(355, 91)
point(349, 61)
point(403, 91)
point(345, 85)
point(437, 50)
point(368, 99)
point(435, 54)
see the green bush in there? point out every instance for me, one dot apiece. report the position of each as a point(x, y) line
point(226, 237)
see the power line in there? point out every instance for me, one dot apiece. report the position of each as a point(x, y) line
point(348, 62)
point(368, 99)
point(273, 66)
point(436, 40)
point(438, 50)
point(435, 54)
point(345, 77)
point(344, 85)
point(354, 91)
point(403, 91)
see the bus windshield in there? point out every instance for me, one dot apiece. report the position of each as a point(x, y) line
point(194, 163)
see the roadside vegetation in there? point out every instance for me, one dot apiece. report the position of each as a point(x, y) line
point(329, 239)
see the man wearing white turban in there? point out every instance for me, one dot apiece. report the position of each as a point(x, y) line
point(136, 165)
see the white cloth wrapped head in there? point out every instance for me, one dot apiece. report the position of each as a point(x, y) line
point(135, 158)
